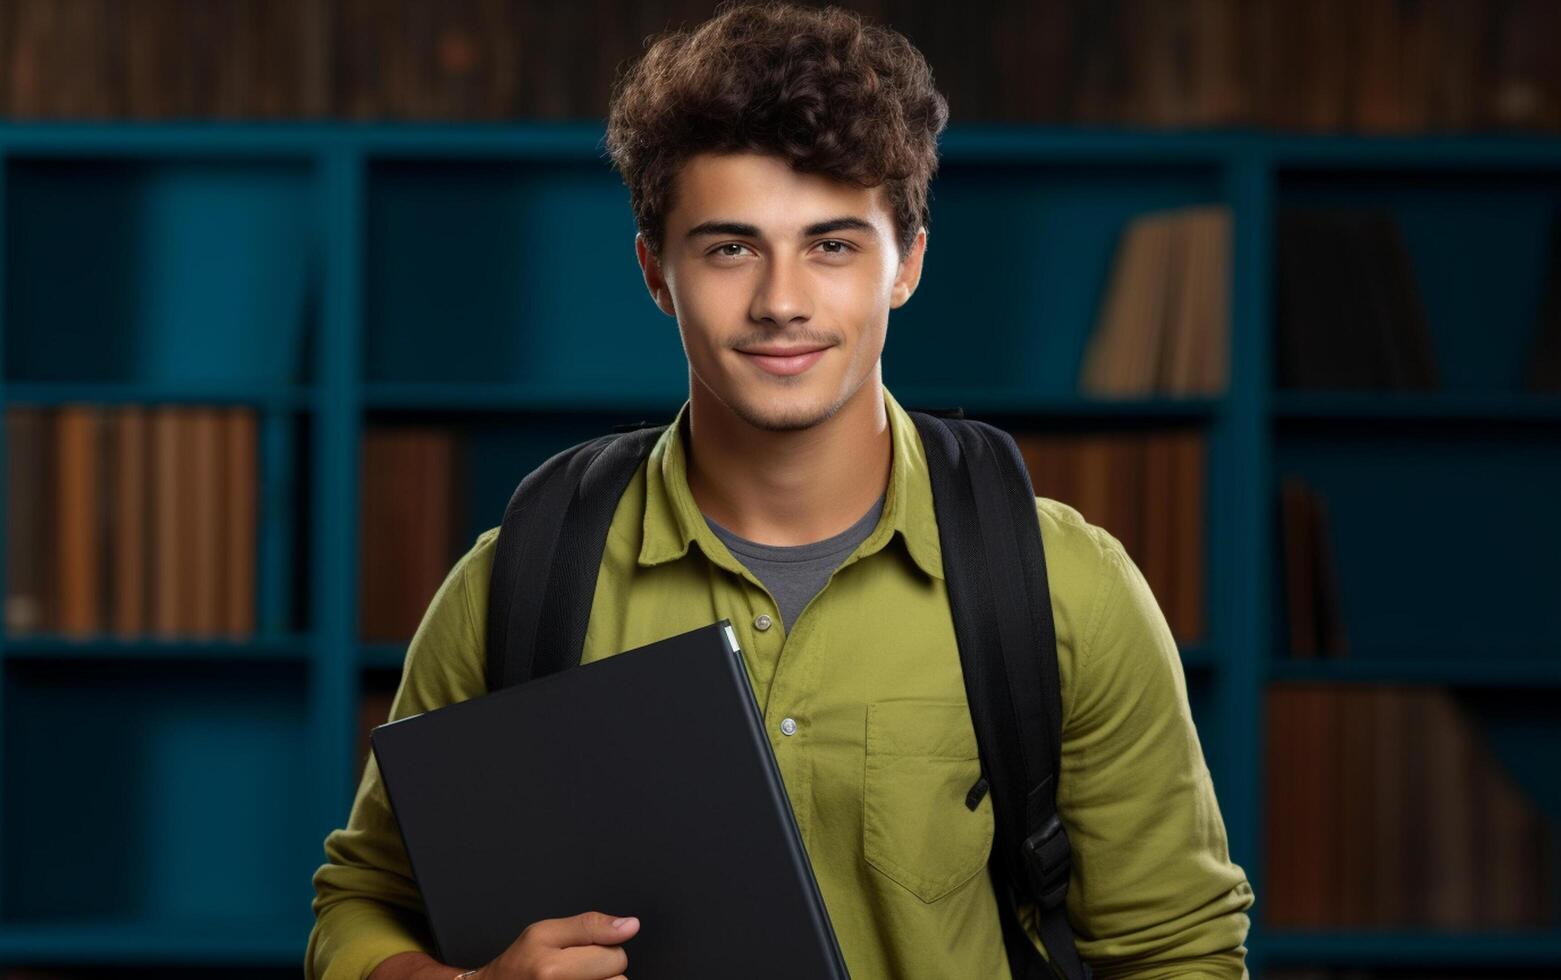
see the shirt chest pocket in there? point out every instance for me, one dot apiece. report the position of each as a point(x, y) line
point(921, 762)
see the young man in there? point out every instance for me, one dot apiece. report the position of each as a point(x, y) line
point(778, 160)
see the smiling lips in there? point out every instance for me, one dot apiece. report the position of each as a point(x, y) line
point(784, 360)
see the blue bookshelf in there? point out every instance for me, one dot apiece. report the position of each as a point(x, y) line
point(337, 275)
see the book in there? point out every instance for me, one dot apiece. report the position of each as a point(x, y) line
point(1542, 366)
point(31, 474)
point(1388, 809)
point(1163, 325)
point(1347, 308)
point(78, 526)
point(207, 495)
point(1453, 886)
point(1147, 489)
point(1313, 604)
point(240, 498)
point(408, 516)
point(132, 519)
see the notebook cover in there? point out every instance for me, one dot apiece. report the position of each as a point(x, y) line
point(641, 784)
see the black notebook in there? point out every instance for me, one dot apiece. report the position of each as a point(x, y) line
point(642, 785)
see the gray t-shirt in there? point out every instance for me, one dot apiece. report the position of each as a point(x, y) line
point(794, 574)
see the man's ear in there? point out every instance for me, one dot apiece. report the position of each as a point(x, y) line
point(906, 280)
point(650, 267)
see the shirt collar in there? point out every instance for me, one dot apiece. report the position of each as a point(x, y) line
point(673, 520)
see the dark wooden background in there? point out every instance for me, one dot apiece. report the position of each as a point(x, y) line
point(1306, 65)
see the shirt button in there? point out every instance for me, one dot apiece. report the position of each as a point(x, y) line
point(788, 726)
point(762, 623)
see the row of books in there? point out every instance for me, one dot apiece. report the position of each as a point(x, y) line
point(1313, 608)
point(164, 59)
point(1164, 325)
point(131, 520)
point(1147, 490)
point(139, 522)
point(1374, 65)
point(1392, 66)
point(413, 497)
point(1387, 809)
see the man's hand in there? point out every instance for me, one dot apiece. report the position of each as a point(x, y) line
point(581, 947)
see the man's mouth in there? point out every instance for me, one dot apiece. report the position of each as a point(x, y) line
point(779, 360)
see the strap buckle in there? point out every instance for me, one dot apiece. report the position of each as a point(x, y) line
point(1047, 858)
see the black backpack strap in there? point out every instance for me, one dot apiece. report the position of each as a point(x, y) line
point(995, 568)
point(549, 551)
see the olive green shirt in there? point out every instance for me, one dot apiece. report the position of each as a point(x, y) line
point(882, 749)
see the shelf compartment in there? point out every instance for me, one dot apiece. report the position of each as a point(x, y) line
point(155, 523)
point(473, 275)
point(1429, 564)
point(1013, 307)
point(1478, 248)
point(1409, 810)
point(205, 271)
point(140, 792)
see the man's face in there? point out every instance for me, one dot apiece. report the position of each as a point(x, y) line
point(781, 283)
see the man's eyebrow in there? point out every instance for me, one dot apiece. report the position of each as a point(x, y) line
point(752, 231)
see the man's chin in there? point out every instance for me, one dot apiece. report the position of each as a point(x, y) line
point(784, 414)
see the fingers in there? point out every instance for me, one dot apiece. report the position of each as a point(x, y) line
point(588, 962)
point(586, 929)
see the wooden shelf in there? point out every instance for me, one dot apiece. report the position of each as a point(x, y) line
point(281, 648)
point(1388, 407)
point(1475, 672)
point(490, 397)
point(1439, 949)
point(296, 397)
point(245, 943)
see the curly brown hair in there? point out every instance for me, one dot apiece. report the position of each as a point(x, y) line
point(821, 87)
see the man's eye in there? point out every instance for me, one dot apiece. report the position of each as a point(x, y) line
point(843, 249)
point(721, 249)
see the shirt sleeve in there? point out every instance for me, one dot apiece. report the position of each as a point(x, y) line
point(1153, 892)
point(367, 905)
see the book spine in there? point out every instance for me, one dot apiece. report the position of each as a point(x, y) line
point(78, 527)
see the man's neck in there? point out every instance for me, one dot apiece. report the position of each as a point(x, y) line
point(789, 488)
